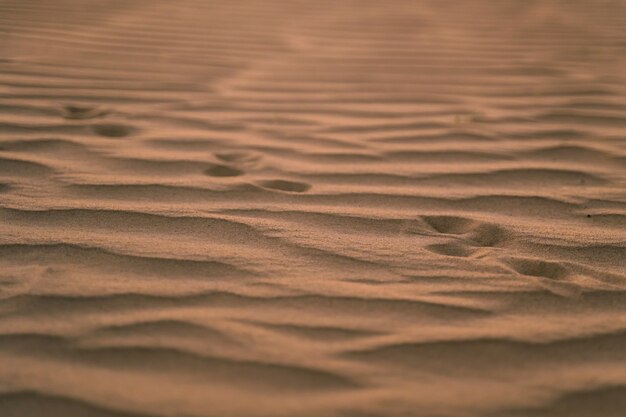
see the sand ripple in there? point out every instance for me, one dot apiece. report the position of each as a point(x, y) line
point(329, 208)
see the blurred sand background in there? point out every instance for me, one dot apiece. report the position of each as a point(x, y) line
point(350, 208)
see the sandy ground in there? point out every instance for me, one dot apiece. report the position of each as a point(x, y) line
point(324, 208)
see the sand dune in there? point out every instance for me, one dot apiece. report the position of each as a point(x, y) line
point(335, 208)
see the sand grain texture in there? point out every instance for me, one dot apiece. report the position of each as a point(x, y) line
point(348, 208)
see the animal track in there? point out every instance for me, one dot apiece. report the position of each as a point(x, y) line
point(451, 249)
point(82, 112)
point(113, 130)
point(223, 171)
point(467, 235)
point(283, 185)
point(450, 224)
point(486, 235)
point(538, 268)
point(236, 157)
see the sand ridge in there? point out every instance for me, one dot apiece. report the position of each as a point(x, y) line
point(336, 208)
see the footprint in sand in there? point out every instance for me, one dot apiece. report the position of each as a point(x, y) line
point(538, 268)
point(82, 112)
point(223, 171)
point(552, 276)
point(450, 224)
point(113, 130)
point(468, 235)
point(284, 185)
point(237, 157)
point(486, 235)
point(451, 249)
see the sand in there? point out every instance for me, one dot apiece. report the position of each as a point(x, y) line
point(350, 208)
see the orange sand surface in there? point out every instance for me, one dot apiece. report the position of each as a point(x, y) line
point(331, 208)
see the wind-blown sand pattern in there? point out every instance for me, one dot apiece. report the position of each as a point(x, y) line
point(312, 208)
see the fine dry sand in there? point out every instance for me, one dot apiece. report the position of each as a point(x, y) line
point(331, 208)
